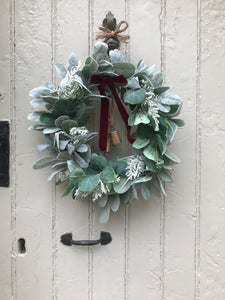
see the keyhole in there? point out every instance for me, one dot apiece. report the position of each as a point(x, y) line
point(21, 246)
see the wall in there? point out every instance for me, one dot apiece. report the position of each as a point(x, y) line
point(171, 248)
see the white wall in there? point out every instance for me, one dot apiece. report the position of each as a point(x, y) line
point(171, 248)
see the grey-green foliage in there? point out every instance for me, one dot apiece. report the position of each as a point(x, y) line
point(62, 119)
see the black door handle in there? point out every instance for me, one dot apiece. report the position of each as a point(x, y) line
point(67, 239)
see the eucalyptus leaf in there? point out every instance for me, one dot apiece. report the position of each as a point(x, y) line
point(77, 173)
point(140, 143)
point(89, 183)
point(126, 69)
point(122, 186)
point(64, 107)
point(151, 165)
point(162, 143)
point(134, 96)
point(144, 131)
point(108, 175)
point(120, 166)
point(47, 119)
point(151, 153)
point(98, 163)
point(140, 118)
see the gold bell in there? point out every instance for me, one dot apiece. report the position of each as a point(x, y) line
point(115, 137)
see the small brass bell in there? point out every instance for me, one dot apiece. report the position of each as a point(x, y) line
point(115, 137)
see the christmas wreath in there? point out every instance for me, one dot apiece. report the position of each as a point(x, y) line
point(149, 116)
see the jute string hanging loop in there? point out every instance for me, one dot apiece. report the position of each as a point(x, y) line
point(112, 31)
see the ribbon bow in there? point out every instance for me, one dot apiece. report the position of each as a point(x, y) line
point(109, 81)
point(115, 34)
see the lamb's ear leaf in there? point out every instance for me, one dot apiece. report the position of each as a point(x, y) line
point(145, 191)
point(114, 202)
point(44, 162)
point(73, 61)
point(157, 79)
point(172, 156)
point(104, 214)
point(61, 70)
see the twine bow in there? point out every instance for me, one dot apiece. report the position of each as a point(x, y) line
point(115, 34)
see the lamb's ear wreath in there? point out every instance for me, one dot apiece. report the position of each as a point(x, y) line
point(148, 115)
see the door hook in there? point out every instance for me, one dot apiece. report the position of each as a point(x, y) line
point(105, 238)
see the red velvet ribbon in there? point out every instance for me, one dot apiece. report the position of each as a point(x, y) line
point(103, 82)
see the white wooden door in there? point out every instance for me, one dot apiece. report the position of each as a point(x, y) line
point(171, 248)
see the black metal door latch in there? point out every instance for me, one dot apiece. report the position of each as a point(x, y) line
point(67, 239)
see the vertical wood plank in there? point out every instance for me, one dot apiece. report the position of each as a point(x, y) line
point(71, 216)
point(212, 208)
point(5, 193)
point(108, 277)
point(33, 192)
point(145, 249)
point(180, 70)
